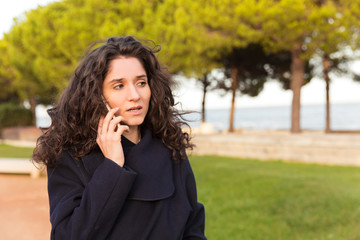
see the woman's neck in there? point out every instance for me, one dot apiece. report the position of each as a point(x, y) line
point(133, 134)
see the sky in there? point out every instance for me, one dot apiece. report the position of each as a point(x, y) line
point(342, 90)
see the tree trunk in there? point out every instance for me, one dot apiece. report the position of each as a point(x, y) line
point(205, 86)
point(33, 104)
point(234, 73)
point(297, 79)
point(326, 70)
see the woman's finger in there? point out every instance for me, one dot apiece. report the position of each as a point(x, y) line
point(115, 122)
point(108, 118)
point(122, 128)
point(101, 122)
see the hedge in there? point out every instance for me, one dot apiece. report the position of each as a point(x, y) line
point(12, 115)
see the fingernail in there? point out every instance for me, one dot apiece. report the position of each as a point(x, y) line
point(117, 108)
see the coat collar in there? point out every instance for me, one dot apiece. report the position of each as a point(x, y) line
point(152, 162)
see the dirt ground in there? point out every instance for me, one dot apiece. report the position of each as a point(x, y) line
point(24, 208)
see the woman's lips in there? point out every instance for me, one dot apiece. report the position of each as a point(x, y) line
point(135, 110)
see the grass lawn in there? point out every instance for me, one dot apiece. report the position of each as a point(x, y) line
point(7, 151)
point(255, 200)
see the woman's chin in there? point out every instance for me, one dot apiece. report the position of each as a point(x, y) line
point(133, 123)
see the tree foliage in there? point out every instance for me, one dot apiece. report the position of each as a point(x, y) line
point(47, 43)
point(259, 39)
point(7, 74)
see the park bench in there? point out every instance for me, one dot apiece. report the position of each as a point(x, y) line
point(19, 166)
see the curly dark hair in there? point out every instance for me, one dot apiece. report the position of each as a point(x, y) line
point(75, 117)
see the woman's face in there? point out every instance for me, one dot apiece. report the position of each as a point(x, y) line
point(126, 87)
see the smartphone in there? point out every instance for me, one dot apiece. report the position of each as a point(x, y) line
point(108, 108)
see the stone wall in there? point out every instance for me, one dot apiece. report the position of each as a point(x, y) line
point(311, 147)
point(21, 136)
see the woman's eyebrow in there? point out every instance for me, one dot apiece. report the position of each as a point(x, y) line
point(116, 80)
point(142, 76)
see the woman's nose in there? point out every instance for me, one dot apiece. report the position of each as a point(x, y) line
point(133, 94)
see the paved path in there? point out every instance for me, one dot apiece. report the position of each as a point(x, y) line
point(24, 208)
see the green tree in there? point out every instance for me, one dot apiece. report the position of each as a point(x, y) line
point(328, 39)
point(254, 67)
point(27, 40)
point(240, 23)
point(46, 44)
point(188, 49)
point(308, 28)
point(226, 24)
point(338, 32)
point(288, 25)
point(7, 75)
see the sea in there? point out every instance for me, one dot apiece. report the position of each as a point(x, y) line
point(343, 117)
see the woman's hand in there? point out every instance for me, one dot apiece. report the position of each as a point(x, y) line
point(109, 137)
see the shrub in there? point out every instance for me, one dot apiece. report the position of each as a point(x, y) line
point(12, 115)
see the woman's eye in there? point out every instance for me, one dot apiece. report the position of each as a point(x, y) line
point(142, 83)
point(118, 86)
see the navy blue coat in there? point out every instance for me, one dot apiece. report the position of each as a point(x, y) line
point(151, 197)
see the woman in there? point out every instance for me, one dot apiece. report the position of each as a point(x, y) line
point(115, 152)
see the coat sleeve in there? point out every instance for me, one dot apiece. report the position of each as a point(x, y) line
point(81, 210)
point(195, 225)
